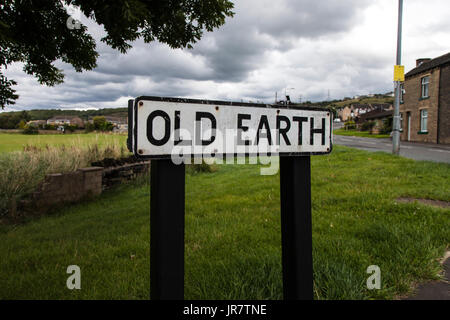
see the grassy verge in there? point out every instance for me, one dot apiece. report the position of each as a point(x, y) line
point(17, 142)
point(356, 133)
point(233, 234)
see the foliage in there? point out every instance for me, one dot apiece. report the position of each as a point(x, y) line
point(200, 168)
point(89, 127)
point(368, 126)
point(38, 33)
point(356, 133)
point(50, 127)
point(12, 120)
point(22, 124)
point(45, 114)
point(7, 93)
point(30, 130)
point(101, 124)
point(387, 125)
point(70, 127)
point(350, 125)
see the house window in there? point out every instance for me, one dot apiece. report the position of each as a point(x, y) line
point(423, 120)
point(425, 86)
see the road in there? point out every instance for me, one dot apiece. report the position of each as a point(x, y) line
point(412, 150)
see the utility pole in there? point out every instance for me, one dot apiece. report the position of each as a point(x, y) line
point(285, 93)
point(398, 78)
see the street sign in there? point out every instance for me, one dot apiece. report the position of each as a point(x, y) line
point(399, 73)
point(163, 127)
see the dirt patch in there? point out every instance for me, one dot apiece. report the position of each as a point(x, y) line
point(435, 203)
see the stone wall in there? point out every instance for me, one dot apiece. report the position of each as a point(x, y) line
point(68, 187)
point(120, 174)
point(71, 187)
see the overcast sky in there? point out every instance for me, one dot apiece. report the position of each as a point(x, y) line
point(317, 47)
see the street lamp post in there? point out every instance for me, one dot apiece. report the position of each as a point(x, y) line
point(396, 122)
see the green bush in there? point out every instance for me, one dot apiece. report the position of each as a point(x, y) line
point(89, 127)
point(387, 125)
point(30, 130)
point(71, 128)
point(49, 127)
point(200, 168)
point(368, 126)
point(350, 125)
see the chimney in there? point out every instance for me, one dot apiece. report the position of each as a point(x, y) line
point(420, 61)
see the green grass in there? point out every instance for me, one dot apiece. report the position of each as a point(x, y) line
point(233, 234)
point(356, 133)
point(16, 142)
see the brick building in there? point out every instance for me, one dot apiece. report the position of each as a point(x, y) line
point(425, 103)
point(356, 110)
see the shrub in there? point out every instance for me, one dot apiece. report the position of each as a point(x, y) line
point(368, 126)
point(89, 127)
point(200, 168)
point(350, 125)
point(387, 126)
point(70, 128)
point(30, 130)
point(49, 127)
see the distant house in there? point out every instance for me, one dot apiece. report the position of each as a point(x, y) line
point(356, 110)
point(116, 121)
point(62, 120)
point(425, 101)
point(379, 116)
point(37, 123)
point(121, 128)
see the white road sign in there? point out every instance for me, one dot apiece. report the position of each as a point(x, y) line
point(161, 127)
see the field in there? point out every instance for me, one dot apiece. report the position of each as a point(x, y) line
point(356, 133)
point(233, 234)
point(16, 142)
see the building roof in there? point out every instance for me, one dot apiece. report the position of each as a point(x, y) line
point(436, 62)
point(376, 114)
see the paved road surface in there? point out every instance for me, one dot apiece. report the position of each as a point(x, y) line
point(412, 150)
point(435, 290)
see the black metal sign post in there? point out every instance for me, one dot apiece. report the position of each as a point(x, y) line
point(296, 232)
point(167, 230)
point(167, 198)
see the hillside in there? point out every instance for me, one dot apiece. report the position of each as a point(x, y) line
point(341, 103)
point(46, 114)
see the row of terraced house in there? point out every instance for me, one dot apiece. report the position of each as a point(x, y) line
point(425, 102)
point(120, 124)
